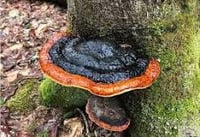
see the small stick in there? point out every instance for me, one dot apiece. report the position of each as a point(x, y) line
point(85, 121)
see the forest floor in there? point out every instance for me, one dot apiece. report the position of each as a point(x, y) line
point(24, 26)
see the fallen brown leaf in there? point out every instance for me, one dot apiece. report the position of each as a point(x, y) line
point(73, 127)
point(7, 51)
point(11, 76)
point(13, 13)
point(41, 28)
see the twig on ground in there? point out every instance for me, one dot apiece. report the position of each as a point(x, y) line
point(85, 122)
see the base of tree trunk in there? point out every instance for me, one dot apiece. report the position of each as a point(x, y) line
point(166, 30)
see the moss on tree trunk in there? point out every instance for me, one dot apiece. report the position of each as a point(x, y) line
point(168, 31)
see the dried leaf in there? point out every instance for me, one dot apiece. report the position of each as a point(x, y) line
point(11, 76)
point(14, 13)
point(25, 72)
point(25, 134)
point(41, 28)
point(73, 127)
point(1, 69)
point(16, 46)
point(2, 134)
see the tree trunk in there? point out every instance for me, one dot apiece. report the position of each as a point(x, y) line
point(62, 3)
point(169, 31)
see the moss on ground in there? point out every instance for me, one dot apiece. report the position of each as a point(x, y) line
point(26, 97)
point(53, 94)
point(171, 107)
point(43, 134)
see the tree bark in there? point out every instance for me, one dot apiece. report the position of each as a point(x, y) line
point(169, 31)
point(118, 20)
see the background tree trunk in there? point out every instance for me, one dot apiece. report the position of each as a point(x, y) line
point(62, 3)
point(167, 30)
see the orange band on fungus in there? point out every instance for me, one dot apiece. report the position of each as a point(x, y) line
point(65, 78)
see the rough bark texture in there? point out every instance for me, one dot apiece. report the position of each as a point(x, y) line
point(167, 30)
point(118, 20)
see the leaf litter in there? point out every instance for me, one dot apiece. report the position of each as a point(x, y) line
point(24, 26)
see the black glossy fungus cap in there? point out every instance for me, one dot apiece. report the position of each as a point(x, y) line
point(97, 60)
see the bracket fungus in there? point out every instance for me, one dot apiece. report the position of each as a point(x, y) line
point(107, 113)
point(105, 69)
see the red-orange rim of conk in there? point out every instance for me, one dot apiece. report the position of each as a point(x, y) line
point(65, 78)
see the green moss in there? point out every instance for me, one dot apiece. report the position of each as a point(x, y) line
point(43, 134)
point(31, 128)
point(26, 97)
point(173, 102)
point(1, 101)
point(53, 94)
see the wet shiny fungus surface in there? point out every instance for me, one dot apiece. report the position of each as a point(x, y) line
point(107, 113)
point(97, 60)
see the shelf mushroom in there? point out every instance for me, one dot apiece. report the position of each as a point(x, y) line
point(103, 68)
point(107, 113)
